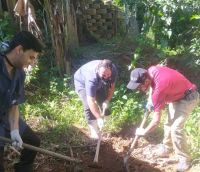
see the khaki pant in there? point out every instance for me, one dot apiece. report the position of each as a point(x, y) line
point(178, 113)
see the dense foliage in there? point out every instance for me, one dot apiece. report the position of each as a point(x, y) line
point(172, 24)
point(7, 27)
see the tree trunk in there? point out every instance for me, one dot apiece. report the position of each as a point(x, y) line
point(62, 23)
point(11, 5)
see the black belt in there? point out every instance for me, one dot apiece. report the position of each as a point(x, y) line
point(187, 93)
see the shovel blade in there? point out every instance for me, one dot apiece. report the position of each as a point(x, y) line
point(126, 164)
point(126, 159)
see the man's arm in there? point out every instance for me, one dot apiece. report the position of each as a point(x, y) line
point(154, 122)
point(149, 105)
point(93, 106)
point(13, 114)
point(150, 96)
point(111, 91)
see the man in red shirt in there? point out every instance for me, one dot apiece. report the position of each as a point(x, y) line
point(167, 87)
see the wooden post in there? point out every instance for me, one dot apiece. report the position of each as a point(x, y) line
point(63, 28)
point(10, 5)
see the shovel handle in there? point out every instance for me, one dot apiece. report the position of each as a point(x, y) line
point(146, 114)
point(96, 157)
point(37, 149)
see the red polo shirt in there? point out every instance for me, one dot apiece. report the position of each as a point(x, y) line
point(168, 85)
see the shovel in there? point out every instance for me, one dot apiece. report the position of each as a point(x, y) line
point(37, 149)
point(96, 157)
point(133, 144)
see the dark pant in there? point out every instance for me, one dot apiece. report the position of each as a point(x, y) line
point(27, 156)
point(101, 96)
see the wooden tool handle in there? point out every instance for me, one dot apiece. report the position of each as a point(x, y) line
point(146, 114)
point(37, 149)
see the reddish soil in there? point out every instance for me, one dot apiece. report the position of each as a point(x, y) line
point(110, 160)
point(112, 150)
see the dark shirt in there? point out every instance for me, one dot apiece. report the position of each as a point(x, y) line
point(11, 90)
point(86, 77)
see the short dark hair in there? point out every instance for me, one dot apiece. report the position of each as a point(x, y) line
point(27, 40)
point(106, 63)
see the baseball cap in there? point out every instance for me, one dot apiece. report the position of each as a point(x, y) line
point(136, 78)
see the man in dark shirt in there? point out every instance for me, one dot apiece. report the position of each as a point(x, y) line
point(22, 51)
point(95, 84)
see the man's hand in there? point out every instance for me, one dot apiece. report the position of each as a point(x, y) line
point(140, 132)
point(149, 106)
point(100, 123)
point(105, 104)
point(16, 139)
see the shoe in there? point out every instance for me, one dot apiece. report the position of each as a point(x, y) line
point(162, 152)
point(183, 165)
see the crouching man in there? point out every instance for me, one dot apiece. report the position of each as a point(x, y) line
point(95, 83)
point(168, 87)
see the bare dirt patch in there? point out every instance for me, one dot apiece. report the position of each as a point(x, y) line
point(112, 151)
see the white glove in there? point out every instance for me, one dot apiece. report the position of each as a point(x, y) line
point(140, 132)
point(16, 139)
point(149, 106)
point(105, 104)
point(100, 123)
